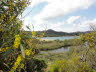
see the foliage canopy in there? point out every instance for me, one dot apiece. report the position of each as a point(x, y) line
point(16, 47)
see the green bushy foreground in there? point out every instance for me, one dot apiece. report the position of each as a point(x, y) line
point(71, 65)
point(80, 58)
point(17, 49)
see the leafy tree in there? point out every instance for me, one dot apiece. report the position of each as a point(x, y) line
point(16, 47)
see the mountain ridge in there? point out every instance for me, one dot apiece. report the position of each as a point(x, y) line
point(53, 33)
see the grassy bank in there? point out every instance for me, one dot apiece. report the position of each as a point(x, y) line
point(80, 58)
point(51, 45)
point(51, 58)
point(67, 61)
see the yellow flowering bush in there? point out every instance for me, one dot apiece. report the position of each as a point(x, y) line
point(27, 52)
point(17, 41)
point(17, 63)
point(4, 49)
point(33, 33)
point(17, 48)
point(42, 35)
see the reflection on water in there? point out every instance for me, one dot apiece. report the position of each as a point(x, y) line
point(60, 50)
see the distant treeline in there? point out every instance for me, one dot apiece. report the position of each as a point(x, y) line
point(52, 33)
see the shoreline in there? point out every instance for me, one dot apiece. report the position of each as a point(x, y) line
point(55, 48)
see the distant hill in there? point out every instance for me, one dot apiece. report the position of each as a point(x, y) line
point(52, 33)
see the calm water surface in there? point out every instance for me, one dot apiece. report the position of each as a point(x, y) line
point(60, 50)
point(60, 38)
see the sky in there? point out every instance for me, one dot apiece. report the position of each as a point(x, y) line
point(60, 15)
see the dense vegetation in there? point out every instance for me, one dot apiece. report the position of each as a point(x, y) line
point(80, 58)
point(17, 49)
point(55, 44)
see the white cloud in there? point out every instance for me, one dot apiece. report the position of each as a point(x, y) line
point(87, 23)
point(57, 8)
point(57, 25)
point(84, 25)
point(72, 19)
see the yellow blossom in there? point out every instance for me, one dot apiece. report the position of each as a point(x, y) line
point(42, 35)
point(4, 49)
point(17, 41)
point(33, 33)
point(17, 63)
point(27, 52)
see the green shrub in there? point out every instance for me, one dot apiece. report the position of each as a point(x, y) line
point(16, 47)
point(71, 65)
